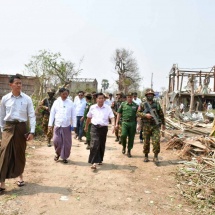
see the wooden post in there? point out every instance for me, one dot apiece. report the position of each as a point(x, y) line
point(191, 79)
point(182, 75)
point(169, 83)
point(177, 80)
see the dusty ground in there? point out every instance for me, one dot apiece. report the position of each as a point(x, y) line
point(121, 185)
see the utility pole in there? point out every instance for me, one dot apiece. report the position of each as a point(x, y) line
point(152, 81)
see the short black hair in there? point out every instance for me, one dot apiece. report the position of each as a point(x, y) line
point(99, 94)
point(135, 93)
point(63, 89)
point(88, 97)
point(12, 77)
point(110, 94)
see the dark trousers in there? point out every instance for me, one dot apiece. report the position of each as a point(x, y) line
point(141, 134)
point(97, 143)
point(79, 127)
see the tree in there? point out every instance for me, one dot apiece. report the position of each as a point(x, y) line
point(51, 69)
point(105, 84)
point(127, 69)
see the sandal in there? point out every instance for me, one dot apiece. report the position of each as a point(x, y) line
point(20, 183)
point(65, 161)
point(56, 158)
point(93, 166)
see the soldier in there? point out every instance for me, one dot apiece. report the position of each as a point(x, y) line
point(45, 106)
point(127, 111)
point(87, 108)
point(115, 106)
point(150, 128)
point(120, 122)
point(94, 97)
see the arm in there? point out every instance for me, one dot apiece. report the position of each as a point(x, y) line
point(142, 114)
point(42, 107)
point(32, 119)
point(52, 114)
point(88, 121)
point(2, 114)
point(162, 118)
point(73, 117)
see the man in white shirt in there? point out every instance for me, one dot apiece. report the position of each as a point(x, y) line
point(80, 104)
point(63, 116)
point(16, 109)
point(99, 115)
point(136, 99)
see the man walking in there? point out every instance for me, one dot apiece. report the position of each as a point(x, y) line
point(87, 108)
point(99, 115)
point(62, 115)
point(16, 109)
point(80, 104)
point(127, 111)
point(45, 107)
point(150, 128)
point(115, 106)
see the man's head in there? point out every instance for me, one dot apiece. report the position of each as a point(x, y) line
point(63, 93)
point(100, 98)
point(80, 94)
point(94, 94)
point(110, 95)
point(15, 83)
point(129, 97)
point(135, 95)
point(51, 93)
point(119, 95)
point(88, 97)
point(149, 94)
point(124, 98)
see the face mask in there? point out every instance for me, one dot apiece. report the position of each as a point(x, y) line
point(149, 98)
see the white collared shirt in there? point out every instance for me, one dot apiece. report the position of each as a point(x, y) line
point(62, 113)
point(80, 105)
point(17, 108)
point(100, 115)
point(137, 101)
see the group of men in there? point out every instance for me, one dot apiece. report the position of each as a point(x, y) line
point(90, 114)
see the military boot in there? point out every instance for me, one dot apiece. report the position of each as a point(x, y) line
point(129, 153)
point(88, 145)
point(146, 159)
point(117, 139)
point(49, 143)
point(123, 150)
point(155, 159)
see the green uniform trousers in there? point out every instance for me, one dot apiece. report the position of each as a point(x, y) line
point(128, 130)
point(88, 137)
point(153, 132)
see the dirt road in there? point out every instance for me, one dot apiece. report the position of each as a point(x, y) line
point(121, 185)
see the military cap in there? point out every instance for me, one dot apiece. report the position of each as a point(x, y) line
point(119, 93)
point(88, 95)
point(51, 91)
point(149, 91)
point(129, 94)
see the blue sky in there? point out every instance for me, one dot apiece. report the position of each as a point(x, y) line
point(159, 32)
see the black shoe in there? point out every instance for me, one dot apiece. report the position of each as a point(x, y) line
point(65, 161)
point(49, 144)
point(88, 147)
point(120, 142)
point(146, 159)
point(129, 153)
point(117, 139)
point(141, 141)
point(155, 159)
point(123, 150)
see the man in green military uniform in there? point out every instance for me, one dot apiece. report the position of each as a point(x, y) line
point(45, 107)
point(127, 111)
point(151, 124)
point(87, 108)
point(115, 106)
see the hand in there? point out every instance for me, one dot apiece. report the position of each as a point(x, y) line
point(85, 129)
point(113, 129)
point(148, 116)
point(82, 118)
point(47, 108)
point(116, 126)
point(139, 128)
point(163, 127)
point(30, 137)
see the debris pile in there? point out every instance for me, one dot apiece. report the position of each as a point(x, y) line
point(196, 181)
